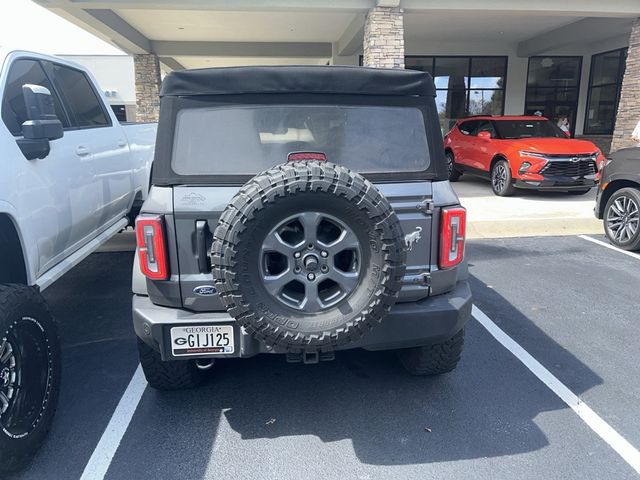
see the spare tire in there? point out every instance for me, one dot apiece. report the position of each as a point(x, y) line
point(308, 256)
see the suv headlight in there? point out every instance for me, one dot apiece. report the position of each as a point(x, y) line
point(524, 153)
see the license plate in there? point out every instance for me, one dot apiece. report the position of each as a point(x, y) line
point(202, 340)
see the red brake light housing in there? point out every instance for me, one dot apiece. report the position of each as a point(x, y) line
point(152, 247)
point(453, 230)
point(305, 156)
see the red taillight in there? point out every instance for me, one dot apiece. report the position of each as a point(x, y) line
point(453, 229)
point(305, 156)
point(152, 249)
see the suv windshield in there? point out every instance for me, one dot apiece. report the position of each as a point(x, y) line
point(509, 129)
point(241, 140)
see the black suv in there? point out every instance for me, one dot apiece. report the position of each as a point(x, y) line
point(618, 198)
point(300, 211)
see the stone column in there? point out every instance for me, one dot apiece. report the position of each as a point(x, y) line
point(147, 73)
point(384, 38)
point(628, 114)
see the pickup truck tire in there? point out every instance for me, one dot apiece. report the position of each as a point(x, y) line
point(338, 251)
point(30, 368)
point(433, 359)
point(622, 219)
point(170, 375)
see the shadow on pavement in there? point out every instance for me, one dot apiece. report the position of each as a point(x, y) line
point(486, 408)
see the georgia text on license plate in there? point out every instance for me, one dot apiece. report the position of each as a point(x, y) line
point(202, 340)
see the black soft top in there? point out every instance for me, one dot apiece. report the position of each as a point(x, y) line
point(298, 79)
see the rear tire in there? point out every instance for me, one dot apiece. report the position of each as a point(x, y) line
point(454, 175)
point(433, 359)
point(30, 369)
point(501, 179)
point(622, 219)
point(169, 375)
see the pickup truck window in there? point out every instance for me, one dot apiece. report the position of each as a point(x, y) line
point(80, 99)
point(241, 140)
point(14, 112)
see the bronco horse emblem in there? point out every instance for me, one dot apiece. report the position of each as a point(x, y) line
point(413, 237)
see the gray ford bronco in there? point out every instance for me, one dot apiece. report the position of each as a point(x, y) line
point(300, 211)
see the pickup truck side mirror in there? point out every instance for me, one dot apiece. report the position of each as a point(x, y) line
point(42, 125)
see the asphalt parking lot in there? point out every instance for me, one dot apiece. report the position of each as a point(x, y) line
point(570, 303)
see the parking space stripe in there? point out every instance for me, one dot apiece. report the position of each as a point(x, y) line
point(628, 452)
point(101, 458)
point(608, 245)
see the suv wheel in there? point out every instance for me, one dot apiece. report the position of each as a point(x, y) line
point(454, 175)
point(622, 219)
point(170, 375)
point(30, 368)
point(501, 179)
point(308, 256)
point(433, 359)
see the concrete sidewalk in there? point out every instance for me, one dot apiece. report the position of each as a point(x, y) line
point(527, 213)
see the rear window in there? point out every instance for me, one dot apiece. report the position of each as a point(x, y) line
point(245, 140)
point(528, 129)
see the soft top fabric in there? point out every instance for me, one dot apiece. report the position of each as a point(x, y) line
point(297, 79)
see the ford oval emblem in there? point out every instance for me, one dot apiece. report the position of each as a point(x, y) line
point(204, 290)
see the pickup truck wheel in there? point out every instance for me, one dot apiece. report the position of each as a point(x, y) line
point(622, 219)
point(433, 359)
point(308, 256)
point(501, 179)
point(169, 375)
point(30, 369)
point(454, 175)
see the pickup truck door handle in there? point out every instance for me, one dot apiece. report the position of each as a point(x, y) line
point(82, 151)
point(122, 143)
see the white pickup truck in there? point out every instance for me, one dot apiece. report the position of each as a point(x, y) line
point(71, 177)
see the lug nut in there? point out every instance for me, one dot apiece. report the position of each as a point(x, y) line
point(324, 253)
point(296, 255)
point(311, 277)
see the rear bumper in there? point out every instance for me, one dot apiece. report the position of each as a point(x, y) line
point(557, 183)
point(432, 320)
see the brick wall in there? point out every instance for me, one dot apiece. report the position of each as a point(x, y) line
point(629, 107)
point(384, 38)
point(147, 73)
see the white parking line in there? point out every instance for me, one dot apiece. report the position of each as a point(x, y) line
point(101, 458)
point(628, 452)
point(608, 245)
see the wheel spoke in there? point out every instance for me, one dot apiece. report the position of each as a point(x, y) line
point(310, 222)
point(311, 302)
point(346, 241)
point(347, 280)
point(275, 283)
point(275, 243)
point(6, 350)
point(4, 402)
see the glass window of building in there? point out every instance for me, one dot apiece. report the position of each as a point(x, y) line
point(464, 85)
point(605, 83)
point(553, 84)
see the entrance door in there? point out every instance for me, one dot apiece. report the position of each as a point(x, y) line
point(552, 88)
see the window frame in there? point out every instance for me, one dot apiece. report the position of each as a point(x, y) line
point(577, 86)
point(65, 107)
point(52, 90)
point(622, 60)
point(468, 88)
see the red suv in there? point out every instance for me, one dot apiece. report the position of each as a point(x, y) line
point(521, 152)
